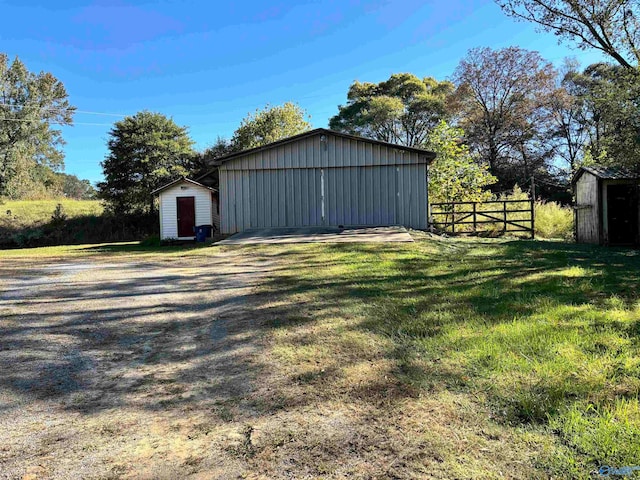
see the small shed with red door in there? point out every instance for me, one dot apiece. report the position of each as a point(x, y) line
point(184, 205)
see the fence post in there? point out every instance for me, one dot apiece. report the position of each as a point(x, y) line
point(474, 217)
point(533, 219)
point(533, 212)
point(453, 218)
point(504, 215)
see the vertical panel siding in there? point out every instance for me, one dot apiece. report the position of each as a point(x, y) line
point(311, 152)
point(587, 211)
point(384, 195)
point(375, 195)
point(169, 209)
point(365, 184)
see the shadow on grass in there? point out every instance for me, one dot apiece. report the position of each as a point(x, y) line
point(446, 307)
point(522, 322)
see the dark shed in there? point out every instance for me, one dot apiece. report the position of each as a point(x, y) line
point(606, 206)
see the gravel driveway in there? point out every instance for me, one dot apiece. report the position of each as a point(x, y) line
point(125, 368)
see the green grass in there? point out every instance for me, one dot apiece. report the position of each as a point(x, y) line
point(528, 350)
point(552, 220)
point(19, 214)
point(543, 334)
point(119, 248)
point(32, 223)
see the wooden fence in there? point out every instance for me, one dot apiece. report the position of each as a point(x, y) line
point(477, 217)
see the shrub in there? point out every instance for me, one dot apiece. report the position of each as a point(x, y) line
point(59, 216)
point(151, 241)
point(27, 238)
point(553, 220)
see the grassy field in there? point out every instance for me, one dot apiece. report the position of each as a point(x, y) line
point(31, 222)
point(18, 214)
point(533, 344)
point(35, 223)
point(460, 358)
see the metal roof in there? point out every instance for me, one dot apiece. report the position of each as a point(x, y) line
point(179, 180)
point(606, 173)
point(430, 155)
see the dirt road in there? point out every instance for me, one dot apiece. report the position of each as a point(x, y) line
point(127, 368)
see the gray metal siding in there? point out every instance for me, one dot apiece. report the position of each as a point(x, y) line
point(587, 209)
point(376, 195)
point(364, 184)
point(311, 152)
point(269, 198)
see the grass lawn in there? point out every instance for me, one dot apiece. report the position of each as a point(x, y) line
point(35, 223)
point(135, 249)
point(525, 347)
point(18, 214)
point(23, 221)
point(460, 358)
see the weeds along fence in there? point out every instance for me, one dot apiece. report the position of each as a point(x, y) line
point(490, 217)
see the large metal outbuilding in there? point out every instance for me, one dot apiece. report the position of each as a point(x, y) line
point(323, 178)
point(607, 209)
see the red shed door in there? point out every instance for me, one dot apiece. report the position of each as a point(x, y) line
point(186, 216)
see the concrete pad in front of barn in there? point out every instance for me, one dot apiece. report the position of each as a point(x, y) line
point(319, 235)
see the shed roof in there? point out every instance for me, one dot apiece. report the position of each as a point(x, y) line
point(180, 180)
point(606, 173)
point(428, 154)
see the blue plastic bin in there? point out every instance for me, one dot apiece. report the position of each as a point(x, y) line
point(203, 232)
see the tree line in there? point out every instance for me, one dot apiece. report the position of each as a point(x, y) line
point(504, 117)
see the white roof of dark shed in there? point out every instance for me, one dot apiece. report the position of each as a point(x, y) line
point(606, 173)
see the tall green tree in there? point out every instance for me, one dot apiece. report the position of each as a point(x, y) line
point(76, 188)
point(455, 176)
point(609, 96)
point(610, 26)
point(403, 109)
point(146, 150)
point(568, 111)
point(269, 125)
point(503, 97)
point(30, 106)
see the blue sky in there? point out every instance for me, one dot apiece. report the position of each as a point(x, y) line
point(208, 63)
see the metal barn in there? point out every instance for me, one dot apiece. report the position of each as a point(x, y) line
point(606, 206)
point(323, 178)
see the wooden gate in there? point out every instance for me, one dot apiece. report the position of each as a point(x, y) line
point(476, 217)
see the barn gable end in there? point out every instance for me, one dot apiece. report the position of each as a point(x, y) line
point(324, 178)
